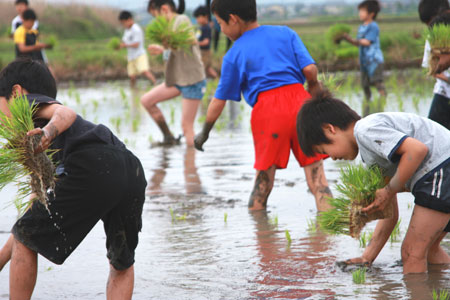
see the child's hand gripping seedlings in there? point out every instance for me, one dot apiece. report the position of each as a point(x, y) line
point(24, 152)
point(439, 38)
point(164, 32)
point(337, 32)
point(52, 41)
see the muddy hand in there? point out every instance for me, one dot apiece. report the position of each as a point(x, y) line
point(45, 140)
point(356, 262)
point(199, 140)
point(382, 198)
point(444, 63)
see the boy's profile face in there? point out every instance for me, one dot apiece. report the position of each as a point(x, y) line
point(202, 20)
point(21, 7)
point(341, 146)
point(28, 24)
point(232, 29)
point(127, 23)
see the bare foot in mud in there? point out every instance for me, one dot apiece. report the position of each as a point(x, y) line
point(352, 264)
point(168, 142)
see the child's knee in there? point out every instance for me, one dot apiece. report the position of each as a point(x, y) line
point(412, 252)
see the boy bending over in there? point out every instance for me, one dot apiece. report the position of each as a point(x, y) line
point(411, 150)
point(269, 65)
point(97, 179)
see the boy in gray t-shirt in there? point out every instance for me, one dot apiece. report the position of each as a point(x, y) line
point(413, 152)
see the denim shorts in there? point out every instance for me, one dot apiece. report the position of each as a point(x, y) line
point(193, 91)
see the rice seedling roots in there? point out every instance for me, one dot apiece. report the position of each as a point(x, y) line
point(359, 219)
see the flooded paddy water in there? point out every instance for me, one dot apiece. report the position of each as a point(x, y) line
point(199, 241)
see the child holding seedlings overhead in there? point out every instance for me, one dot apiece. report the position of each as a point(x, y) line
point(271, 79)
point(370, 54)
point(97, 179)
point(133, 40)
point(412, 151)
point(440, 106)
point(184, 73)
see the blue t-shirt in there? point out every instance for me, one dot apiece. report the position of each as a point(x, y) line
point(262, 59)
point(370, 56)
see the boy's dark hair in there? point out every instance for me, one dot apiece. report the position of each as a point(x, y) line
point(29, 14)
point(201, 11)
point(125, 15)
point(428, 9)
point(372, 6)
point(31, 75)
point(322, 109)
point(156, 5)
point(443, 18)
point(21, 2)
point(244, 9)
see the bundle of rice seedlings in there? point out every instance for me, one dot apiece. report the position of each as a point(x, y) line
point(163, 32)
point(439, 39)
point(114, 43)
point(34, 173)
point(52, 41)
point(357, 190)
point(337, 31)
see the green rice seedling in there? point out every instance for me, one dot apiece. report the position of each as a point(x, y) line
point(442, 295)
point(330, 81)
point(71, 89)
point(77, 98)
point(52, 41)
point(359, 276)
point(288, 236)
point(409, 205)
point(439, 38)
point(95, 104)
point(274, 221)
point(363, 240)
point(182, 217)
point(172, 115)
point(33, 173)
point(163, 31)
point(225, 217)
point(123, 94)
point(357, 190)
point(336, 32)
point(172, 215)
point(395, 234)
point(135, 124)
point(114, 43)
point(150, 139)
point(312, 225)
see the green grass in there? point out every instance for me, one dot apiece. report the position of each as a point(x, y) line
point(359, 276)
point(441, 295)
point(357, 190)
point(162, 31)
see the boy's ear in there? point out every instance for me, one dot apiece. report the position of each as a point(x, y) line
point(17, 91)
point(328, 128)
point(234, 19)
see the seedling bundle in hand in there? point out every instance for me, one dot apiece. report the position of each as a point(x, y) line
point(163, 32)
point(52, 41)
point(439, 39)
point(114, 43)
point(357, 190)
point(336, 32)
point(34, 173)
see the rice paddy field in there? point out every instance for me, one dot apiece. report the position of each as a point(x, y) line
point(199, 241)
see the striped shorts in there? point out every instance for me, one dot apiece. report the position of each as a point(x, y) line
point(433, 191)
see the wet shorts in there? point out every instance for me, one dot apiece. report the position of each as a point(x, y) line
point(194, 91)
point(433, 191)
point(100, 182)
point(274, 119)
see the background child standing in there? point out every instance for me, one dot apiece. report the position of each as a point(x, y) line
point(201, 14)
point(133, 40)
point(370, 54)
point(271, 80)
point(185, 75)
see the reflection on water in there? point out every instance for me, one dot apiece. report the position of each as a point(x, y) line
point(193, 253)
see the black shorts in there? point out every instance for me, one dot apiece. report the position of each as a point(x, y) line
point(433, 191)
point(440, 110)
point(100, 182)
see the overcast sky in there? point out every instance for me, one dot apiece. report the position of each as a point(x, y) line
point(133, 4)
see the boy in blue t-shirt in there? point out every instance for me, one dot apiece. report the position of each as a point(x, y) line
point(268, 65)
point(370, 54)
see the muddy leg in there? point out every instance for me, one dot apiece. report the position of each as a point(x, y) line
point(6, 251)
point(149, 76)
point(132, 81)
point(22, 272)
point(425, 228)
point(318, 184)
point(383, 95)
point(366, 102)
point(261, 190)
point(120, 284)
point(149, 100)
point(436, 254)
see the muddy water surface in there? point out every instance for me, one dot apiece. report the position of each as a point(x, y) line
point(188, 251)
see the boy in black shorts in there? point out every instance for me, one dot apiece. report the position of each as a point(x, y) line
point(98, 179)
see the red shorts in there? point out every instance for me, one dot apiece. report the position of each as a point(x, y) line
point(274, 119)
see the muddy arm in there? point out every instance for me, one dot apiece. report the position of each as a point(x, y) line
point(215, 108)
point(60, 119)
point(310, 73)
